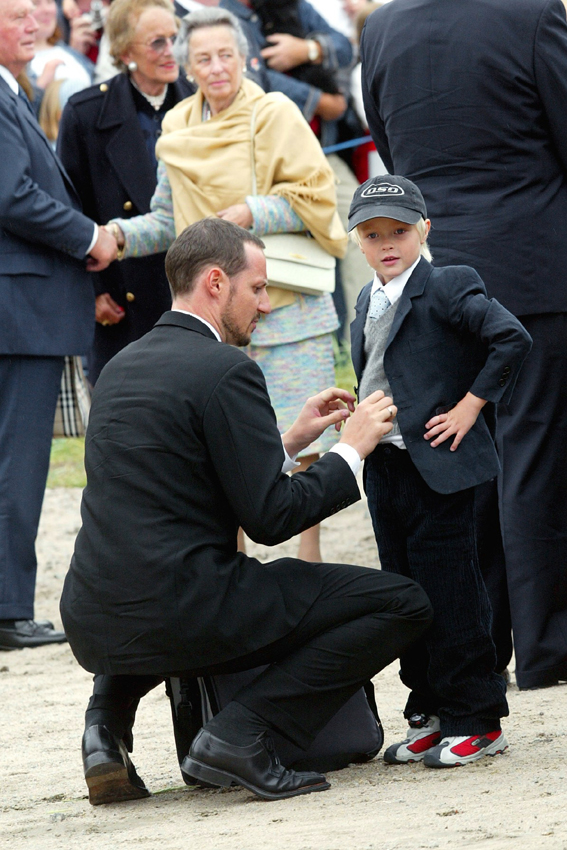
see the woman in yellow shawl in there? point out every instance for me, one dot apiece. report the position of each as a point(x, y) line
point(208, 148)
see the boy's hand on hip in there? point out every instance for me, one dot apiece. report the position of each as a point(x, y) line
point(458, 421)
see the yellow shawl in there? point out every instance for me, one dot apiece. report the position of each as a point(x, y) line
point(209, 163)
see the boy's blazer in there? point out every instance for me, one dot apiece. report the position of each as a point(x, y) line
point(447, 339)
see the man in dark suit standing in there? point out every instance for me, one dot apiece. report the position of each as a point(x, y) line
point(182, 449)
point(469, 100)
point(47, 309)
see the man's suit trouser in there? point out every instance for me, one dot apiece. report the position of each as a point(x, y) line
point(361, 621)
point(29, 387)
point(532, 444)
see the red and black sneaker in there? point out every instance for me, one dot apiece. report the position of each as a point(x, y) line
point(455, 751)
point(424, 733)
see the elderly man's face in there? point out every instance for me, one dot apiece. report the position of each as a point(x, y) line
point(17, 34)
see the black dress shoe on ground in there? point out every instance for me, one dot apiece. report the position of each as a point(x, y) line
point(111, 777)
point(256, 767)
point(18, 634)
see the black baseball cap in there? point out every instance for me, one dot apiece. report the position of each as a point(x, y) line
point(387, 196)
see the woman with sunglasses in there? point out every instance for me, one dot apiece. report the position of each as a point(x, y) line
point(106, 140)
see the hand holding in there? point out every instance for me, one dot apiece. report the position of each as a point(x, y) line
point(81, 36)
point(285, 52)
point(238, 214)
point(103, 252)
point(107, 311)
point(459, 420)
point(371, 421)
point(332, 406)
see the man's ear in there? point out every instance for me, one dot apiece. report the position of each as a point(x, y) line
point(216, 281)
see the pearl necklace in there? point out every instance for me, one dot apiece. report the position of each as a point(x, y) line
point(155, 100)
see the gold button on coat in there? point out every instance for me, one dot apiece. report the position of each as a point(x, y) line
point(130, 296)
point(127, 205)
point(103, 87)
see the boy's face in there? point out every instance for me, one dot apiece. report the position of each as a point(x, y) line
point(390, 246)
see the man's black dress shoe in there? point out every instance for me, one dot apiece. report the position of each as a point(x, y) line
point(18, 634)
point(111, 777)
point(256, 766)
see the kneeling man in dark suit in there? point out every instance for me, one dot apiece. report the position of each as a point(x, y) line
point(182, 449)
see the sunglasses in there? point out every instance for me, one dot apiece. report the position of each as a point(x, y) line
point(158, 45)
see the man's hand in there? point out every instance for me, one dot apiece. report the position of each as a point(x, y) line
point(107, 311)
point(103, 252)
point(331, 106)
point(459, 421)
point(285, 52)
point(238, 214)
point(330, 407)
point(371, 421)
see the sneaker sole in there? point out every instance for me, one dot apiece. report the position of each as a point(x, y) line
point(435, 762)
point(389, 758)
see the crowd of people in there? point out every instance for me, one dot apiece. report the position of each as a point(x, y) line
point(176, 134)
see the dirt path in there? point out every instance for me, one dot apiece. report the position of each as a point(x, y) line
point(515, 801)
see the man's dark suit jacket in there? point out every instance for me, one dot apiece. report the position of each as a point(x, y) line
point(446, 339)
point(469, 100)
point(102, 146)
point(46, 297)
point(182, 448)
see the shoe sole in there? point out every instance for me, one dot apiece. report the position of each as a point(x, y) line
point(109, 782)
point(213, 776)
point(391, 759)
point(467, 759)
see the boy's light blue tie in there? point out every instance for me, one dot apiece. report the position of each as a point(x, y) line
point(379, 303)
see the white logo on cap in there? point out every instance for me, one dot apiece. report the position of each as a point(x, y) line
point(382, 189)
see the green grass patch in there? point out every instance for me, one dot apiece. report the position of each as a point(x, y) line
point(67, 468)
point(344, 372)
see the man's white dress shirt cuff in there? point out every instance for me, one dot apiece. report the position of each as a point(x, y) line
point(349, 454)
point(93, 241)
point(289, 462)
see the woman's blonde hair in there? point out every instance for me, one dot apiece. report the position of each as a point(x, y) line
point(121, 21)
point(50, 110)
point(421, 229)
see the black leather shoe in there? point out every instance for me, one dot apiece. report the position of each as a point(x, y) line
point(19, 634)
point(257, 767)
point(111, 777)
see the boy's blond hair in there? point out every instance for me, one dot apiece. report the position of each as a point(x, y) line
point(421, 229)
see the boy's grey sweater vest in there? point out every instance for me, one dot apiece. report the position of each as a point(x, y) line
point(374, 378)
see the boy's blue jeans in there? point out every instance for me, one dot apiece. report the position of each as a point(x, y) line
point(430, 537)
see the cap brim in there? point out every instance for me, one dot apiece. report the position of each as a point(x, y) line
point(383, 211)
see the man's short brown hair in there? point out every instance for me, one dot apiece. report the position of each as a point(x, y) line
point(209, 242)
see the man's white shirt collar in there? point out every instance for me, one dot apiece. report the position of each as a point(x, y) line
point(395, 287)
point(204, 321)
point(10, 79)
point(348, 454)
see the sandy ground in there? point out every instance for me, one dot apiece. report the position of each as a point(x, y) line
point(517, 800)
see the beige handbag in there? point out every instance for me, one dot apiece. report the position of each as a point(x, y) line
point(294, 261)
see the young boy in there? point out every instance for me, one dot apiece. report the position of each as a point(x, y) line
point(430, 338)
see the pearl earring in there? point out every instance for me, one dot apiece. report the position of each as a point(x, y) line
point(132, 66)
